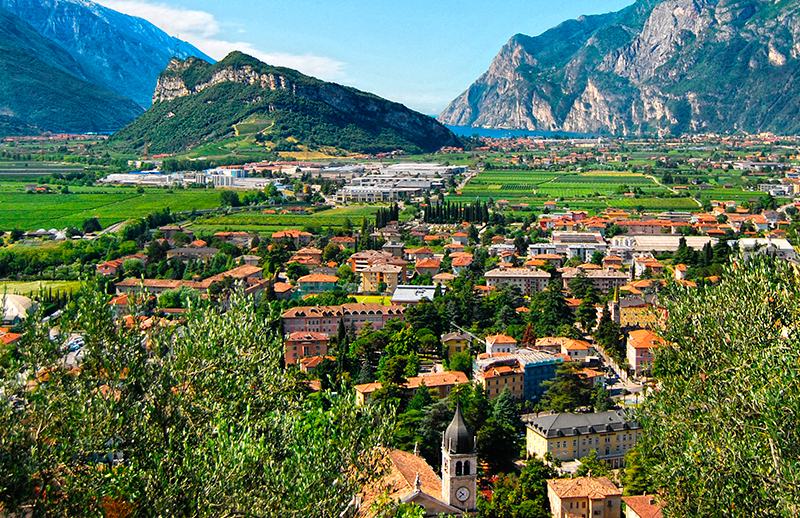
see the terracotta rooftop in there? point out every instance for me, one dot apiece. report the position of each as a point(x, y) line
point(644, 506)
point(584, 487)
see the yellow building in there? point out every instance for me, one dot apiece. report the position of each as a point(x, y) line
point(572, 436)
point(381, 278)
point(457, 343)
point(495, 379)
point(584, 497)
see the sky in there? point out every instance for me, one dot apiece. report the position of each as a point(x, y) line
point(416, 52)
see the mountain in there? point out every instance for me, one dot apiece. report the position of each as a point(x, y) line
point(42, 85)
point(655, 67)
point(196, 103)
point(121, 53)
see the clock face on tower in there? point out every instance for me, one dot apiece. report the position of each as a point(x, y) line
point(462, 494)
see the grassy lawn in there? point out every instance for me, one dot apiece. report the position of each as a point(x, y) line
point(28, 288)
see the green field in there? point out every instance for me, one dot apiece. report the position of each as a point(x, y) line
point(593, 190)
point(33, 287)
point(110, 204)
point(255, 221)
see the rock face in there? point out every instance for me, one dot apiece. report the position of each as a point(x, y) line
point(42, 87)
point(656, 67)
point(120, 53)
point(196, 102)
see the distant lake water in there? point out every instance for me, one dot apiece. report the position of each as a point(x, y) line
point(468, 131)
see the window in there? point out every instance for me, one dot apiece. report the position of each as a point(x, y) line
point(575, 442)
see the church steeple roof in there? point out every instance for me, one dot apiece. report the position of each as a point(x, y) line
point(459, 438)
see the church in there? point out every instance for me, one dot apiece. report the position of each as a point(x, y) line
point(410, 479)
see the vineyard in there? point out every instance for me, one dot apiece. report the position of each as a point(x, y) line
point(258, 222)
point(590, 190)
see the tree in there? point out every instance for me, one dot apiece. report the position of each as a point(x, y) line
point(568, 391)
point(206, 403)
point(597, 258)
point(461, 362)
point(332, 252)
point(505, 410)
point(549, 310)
point(601, 399)
point(634, 475)
point(498, 446)
point(727, 392)
point(91, 225)
point(229, 199)
point(296, 270)
point(609, 335)
point(591, 466)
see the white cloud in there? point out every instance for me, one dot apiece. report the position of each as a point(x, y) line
point(202, 30)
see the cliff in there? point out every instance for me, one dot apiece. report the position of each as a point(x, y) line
point(685, 66)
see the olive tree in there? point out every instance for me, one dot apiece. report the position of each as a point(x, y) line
point(191, 420)
point(722, 428)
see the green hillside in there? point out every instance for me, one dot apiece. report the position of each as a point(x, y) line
point(294, 109)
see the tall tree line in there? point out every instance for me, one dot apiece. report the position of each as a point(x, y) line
point(446, 212)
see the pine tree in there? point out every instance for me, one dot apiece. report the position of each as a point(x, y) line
point(505, 410)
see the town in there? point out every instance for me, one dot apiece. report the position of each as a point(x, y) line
point(506, 336)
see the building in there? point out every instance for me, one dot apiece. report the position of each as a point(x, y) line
point(413, 294)
point(604, 280)
point(325, 319)
point(201, 254)
point(529, 280)
point(382, 278)
point(299, 237)
point(584, 497)
point(641, 348)
point(636, 311)
point(454, 494)
point(500, 343)
point(644, 506)
point(441, 383)
point(316, 283)
point(457, 343)
point(576, 350)
point(539, 367)
point(572, 436)
point(779, 248)
point(495, 379)
point(302, 344)
point(427, 267)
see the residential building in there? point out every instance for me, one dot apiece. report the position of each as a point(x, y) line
point(460, 238)
point(644, 506)
point(641, 347)
point(456, 343)
point(299, 237)
point(325, 319)
point(572, 436)
point(603, 280)
point(191, 253)
point(636, 311)
point(496, 378)
point(779, 248)
point(576, 350)
point(440, 383)
point(584, 497)
point(417, 254)
point(310, 363)
point(443, 278)
point(529, 280)
point(241, 239)
point(500, 343)
point(461, 263)
point(427, 267)
point(301, 344)
point(381, 278)
point(316, 283)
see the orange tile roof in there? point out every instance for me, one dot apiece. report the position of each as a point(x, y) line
point(318, 277)
point(644, 339)
point(501, 338)
point(584, 487)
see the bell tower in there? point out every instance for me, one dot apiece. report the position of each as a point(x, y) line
point(459, 464)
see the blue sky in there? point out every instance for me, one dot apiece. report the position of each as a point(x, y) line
point(420, 53)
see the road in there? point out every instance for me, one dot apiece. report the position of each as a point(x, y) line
point(672, 189)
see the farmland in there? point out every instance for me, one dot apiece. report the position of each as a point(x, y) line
point(258, 222)
point(33, 287)
point(587, 190)
point(109, 204)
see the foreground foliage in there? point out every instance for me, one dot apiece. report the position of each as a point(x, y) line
point(195, 420)
point(722, 434)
